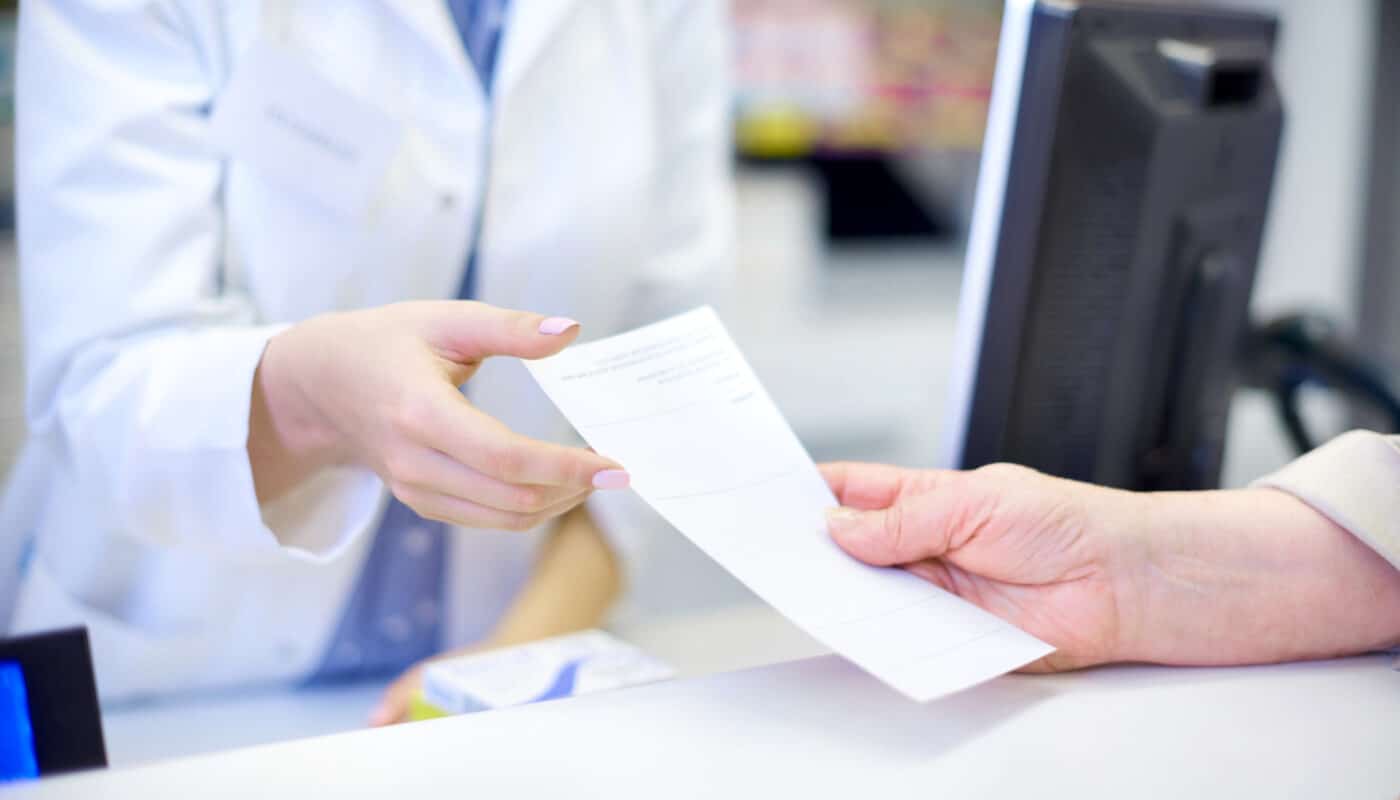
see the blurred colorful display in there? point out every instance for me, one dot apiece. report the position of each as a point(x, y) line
point(862, 76)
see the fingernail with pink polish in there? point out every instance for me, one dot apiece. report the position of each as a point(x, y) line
point(612, 479)
point(557, 325)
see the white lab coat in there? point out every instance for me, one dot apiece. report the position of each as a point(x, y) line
point(153, 270)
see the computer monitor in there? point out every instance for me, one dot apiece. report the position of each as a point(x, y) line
point(1124, 184)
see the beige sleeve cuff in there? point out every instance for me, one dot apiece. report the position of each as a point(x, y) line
point(1353, 480)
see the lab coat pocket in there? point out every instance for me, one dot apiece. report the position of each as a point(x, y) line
point(299, 257)
point(293, 126)
point(313, 183)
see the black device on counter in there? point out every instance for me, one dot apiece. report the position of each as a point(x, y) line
point(1125, 180)
point(50, 721)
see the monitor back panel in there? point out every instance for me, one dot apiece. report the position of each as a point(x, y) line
point(1121, 180)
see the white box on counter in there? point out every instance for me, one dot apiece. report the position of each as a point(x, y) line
point(563, 666)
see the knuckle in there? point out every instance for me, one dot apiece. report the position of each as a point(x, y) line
point(418, 502)
point(423, 509)
point(521, 322)
point(403, 491)
point(504, 328)
point(524, 325)
point(398, 465)
point(894, 524)
point(1004, 472)
point(581, 469)
point(506, 462)
point(528, 498)
point(409, 414)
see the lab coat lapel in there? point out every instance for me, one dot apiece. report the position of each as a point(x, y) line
point(529, 26)
point(433, 22)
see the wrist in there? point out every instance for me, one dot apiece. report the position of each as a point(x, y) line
point(287, 439)
point(1124, 520)
point(1255, 576)
point(294, 418)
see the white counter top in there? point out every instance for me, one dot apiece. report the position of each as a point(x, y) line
point(723, 640)
point(822, 727)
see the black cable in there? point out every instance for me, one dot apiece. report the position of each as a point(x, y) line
point(1291, 352)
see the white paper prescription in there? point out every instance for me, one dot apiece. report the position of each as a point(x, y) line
point(678, 406)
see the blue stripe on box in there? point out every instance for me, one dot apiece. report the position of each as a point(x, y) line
point(17, 759)
point(563, 682)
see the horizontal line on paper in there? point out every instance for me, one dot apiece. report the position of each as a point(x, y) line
point(739, 487)
point(665, 413)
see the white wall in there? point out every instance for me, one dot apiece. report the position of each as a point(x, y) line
point(1323, 64)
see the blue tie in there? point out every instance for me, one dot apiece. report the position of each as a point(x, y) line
point(394, 616)
point(479, 23)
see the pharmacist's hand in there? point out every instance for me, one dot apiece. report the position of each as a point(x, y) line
point(1048, 555)
point(396, 704)
point(379, 388)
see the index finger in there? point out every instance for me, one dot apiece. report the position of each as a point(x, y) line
point(510, 457)
point(472, 437)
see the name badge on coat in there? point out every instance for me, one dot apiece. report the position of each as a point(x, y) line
point(290, 124)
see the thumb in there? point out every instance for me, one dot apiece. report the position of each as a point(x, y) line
point(468, 331)
point(899, 534)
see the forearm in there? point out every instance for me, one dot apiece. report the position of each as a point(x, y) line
point(1254, 576)
point(576, 580)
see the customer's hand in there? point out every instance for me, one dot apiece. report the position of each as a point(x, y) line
point(379, 388)
point(1226, 577)
point(1053, 557)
